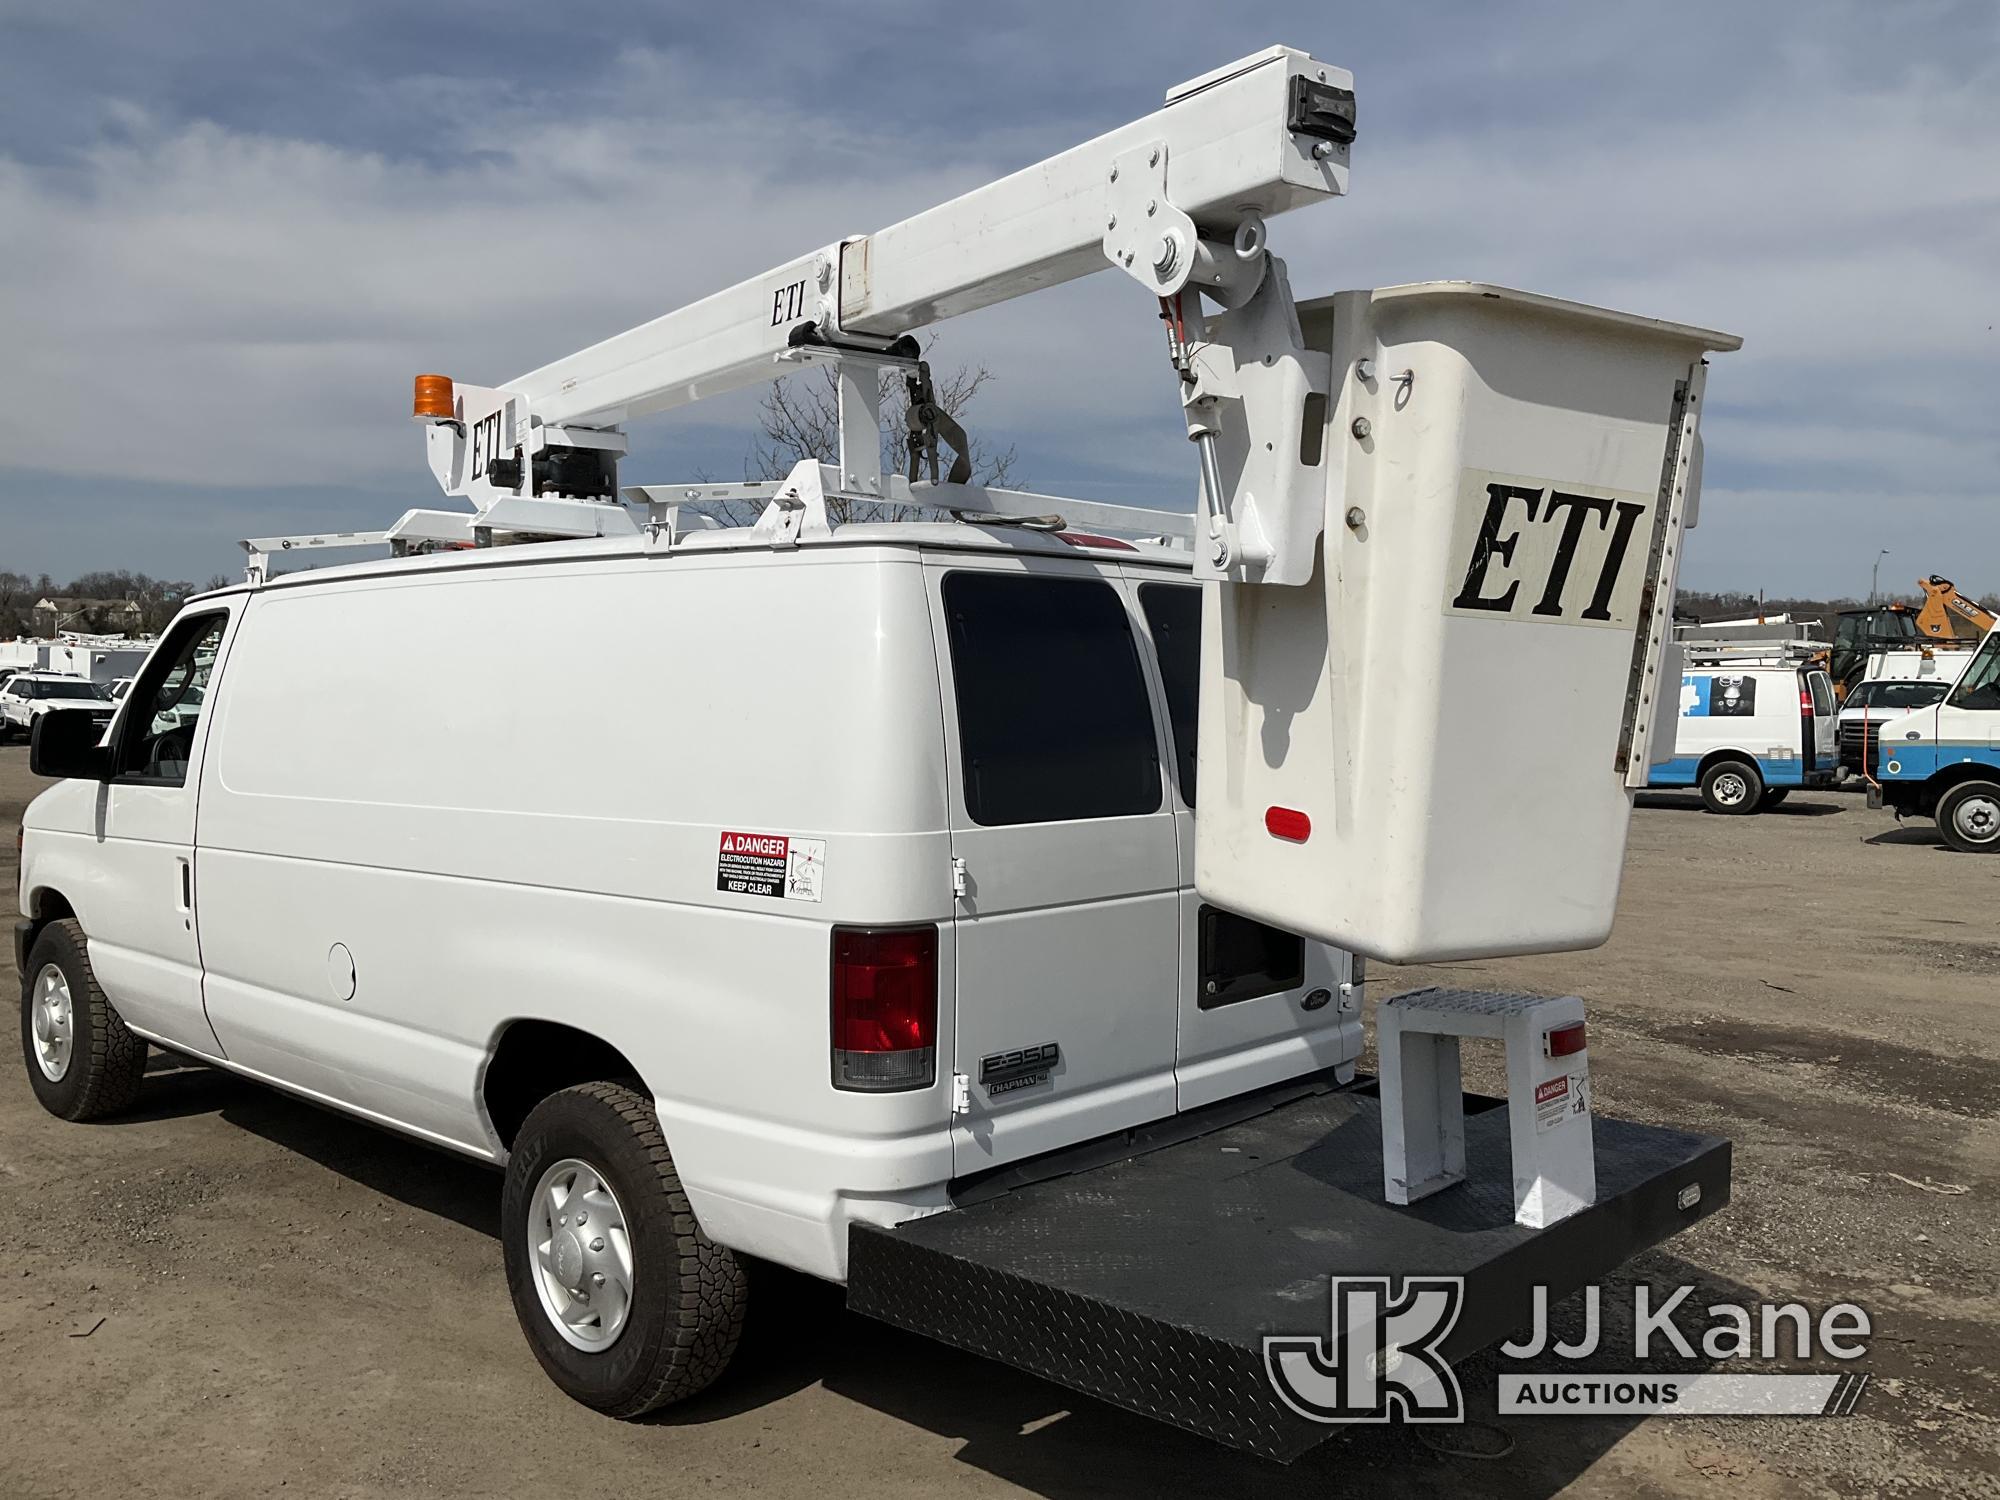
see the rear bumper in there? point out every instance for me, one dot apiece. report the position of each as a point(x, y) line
point(1152, 1281)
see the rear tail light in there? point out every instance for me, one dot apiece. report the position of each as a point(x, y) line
point(1805, 702)
point(885, 1007)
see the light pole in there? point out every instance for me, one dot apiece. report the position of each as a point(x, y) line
point(1875, 578)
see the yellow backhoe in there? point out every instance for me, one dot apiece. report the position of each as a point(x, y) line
point(1948, 615)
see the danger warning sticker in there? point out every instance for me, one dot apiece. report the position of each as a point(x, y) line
point(1560, 1098)
point(770, 864)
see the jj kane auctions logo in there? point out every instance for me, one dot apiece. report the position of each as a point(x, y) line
point(1381, 1358)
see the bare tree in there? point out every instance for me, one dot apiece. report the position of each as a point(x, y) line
point(800, 419)
point(17, 604)
point(158, 599)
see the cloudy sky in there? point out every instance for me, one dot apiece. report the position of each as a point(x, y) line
point(230, 233)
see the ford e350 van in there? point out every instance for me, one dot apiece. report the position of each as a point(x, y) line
point(883, 881)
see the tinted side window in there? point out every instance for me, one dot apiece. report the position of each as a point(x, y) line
point(1822, 692)
point(1053, 721)
point(1173, 615)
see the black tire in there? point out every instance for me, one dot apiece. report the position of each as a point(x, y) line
point(106, 1063)
point(1969, 817)
point(1773, 796)
point(1732, 787)
point(688, 1293)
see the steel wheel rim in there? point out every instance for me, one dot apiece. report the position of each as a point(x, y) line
point(52, 1019)
point(1977, 818)
point(1730, 789)
point(582, 1255)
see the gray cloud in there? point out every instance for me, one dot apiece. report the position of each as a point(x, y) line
point(213, 297)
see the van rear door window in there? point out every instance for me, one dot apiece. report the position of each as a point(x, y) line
point(1053, 722)
point(1173, 615)
point(1241, 959)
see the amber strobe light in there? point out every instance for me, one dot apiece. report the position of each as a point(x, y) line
point(433, 399)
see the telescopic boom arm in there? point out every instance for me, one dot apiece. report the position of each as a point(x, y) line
point(1176, 200)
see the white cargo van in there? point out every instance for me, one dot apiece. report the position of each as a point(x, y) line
point(914, 820)
point(1752, 728)
point(851, 918)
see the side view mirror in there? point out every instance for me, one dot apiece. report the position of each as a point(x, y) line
point(65, 745)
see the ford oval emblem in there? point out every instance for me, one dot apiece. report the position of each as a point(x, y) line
point(1315, 999)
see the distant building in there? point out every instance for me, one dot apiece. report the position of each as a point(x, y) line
point(92, 616)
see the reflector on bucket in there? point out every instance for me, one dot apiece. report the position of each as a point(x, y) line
point(1465, 694)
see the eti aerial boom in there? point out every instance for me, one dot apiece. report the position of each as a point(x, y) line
point(1176, 201)
point(1407, 497)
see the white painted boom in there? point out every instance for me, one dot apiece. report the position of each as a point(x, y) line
point(1228, 151)
point(1176, 199)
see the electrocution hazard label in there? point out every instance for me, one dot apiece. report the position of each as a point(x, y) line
point(770, 864)
point(1559, 1098)
point(1551, 1103)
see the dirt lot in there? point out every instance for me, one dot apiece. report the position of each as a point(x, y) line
point(233, 1294)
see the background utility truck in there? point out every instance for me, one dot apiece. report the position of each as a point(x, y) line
point(1944, 761)
point(966, 913)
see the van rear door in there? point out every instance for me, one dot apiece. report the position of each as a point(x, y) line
point(1257, 1005)
point(1823, 752)
point(1068, 914)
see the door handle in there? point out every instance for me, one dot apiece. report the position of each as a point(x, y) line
point(187, 885)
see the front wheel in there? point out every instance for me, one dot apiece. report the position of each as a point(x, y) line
point(1969, 817)
point(1732, 786)
point(82, 1062)
point(626, 1303)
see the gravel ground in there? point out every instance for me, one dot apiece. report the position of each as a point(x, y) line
point(230, 1293)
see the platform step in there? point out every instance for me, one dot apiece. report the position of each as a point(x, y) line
point(1151, 1282)
point(1494, 1007)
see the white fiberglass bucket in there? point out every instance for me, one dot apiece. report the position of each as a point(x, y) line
point(1429, 752)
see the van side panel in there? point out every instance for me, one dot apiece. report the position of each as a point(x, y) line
point(1750, 712)
point(423, 775)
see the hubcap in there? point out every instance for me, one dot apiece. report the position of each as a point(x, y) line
point(53, 1021)
point(583, 1255)
point(1978, 818)
point(1730, 788)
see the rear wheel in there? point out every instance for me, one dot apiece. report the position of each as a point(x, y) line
point(82, 1062)
point(1773, 795)
point(626, 1303)
point(1732, 786)
point(1969, 817)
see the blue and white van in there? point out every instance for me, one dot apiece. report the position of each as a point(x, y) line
point(1943, 761)
point(1751, 728)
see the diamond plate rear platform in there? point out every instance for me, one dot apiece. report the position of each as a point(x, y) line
point(1152, 1281)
